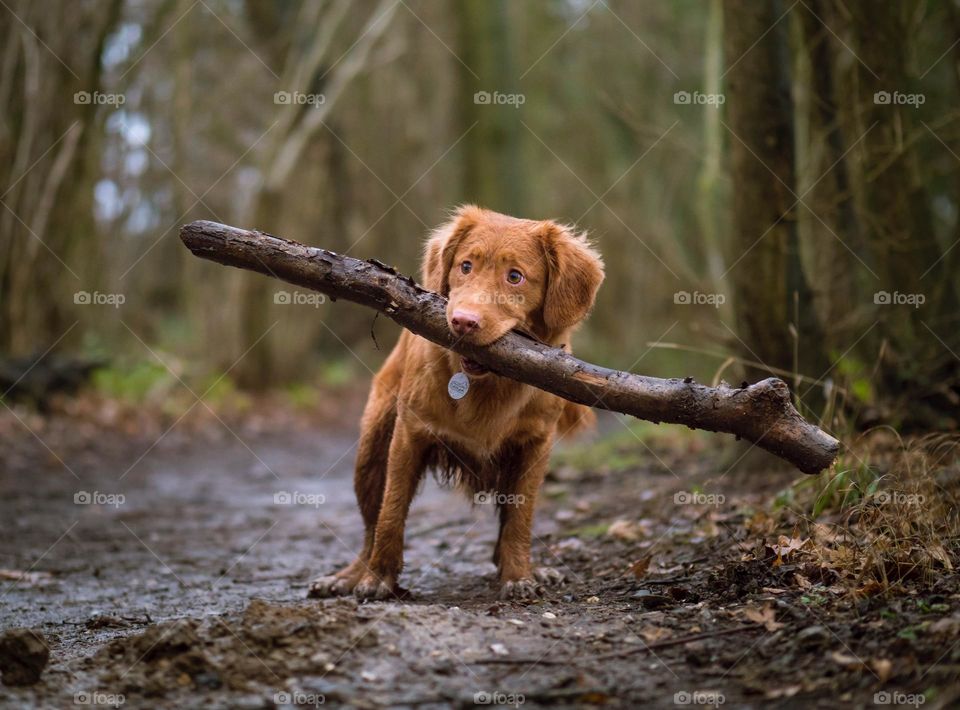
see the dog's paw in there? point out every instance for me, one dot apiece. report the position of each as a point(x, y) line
point(371, 586)
point(330, 586)
point(525, 588)
point(549, 576)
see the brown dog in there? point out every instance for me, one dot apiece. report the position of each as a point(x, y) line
point(498, 273)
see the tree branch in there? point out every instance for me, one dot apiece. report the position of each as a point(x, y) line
point(761, 413)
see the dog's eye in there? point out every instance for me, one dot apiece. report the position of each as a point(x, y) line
point(514, 277)
point(466, 267)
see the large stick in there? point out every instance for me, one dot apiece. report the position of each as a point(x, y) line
point(761, 413)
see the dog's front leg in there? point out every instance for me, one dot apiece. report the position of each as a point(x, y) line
point(405, 463)
point(518, 580)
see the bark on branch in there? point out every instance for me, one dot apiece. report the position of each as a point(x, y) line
point(762, 413)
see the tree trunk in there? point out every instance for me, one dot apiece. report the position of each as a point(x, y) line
point(769, 284)
point(823, 180)
point(893, 210)
point(493, 162)
point(50, 73)
point(309, 68)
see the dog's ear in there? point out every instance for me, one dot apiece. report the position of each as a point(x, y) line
point(442, 246)
point(574, 274)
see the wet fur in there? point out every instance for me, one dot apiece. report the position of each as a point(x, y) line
point(497, 438)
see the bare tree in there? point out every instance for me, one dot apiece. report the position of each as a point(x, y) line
point(315, 68)
point(49, 87)
point(767, 277)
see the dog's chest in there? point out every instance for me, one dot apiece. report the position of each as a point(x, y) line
point(484, 418)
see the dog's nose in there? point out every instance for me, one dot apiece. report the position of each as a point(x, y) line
point(464, 322)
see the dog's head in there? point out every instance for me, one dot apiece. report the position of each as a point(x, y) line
point(499, 273)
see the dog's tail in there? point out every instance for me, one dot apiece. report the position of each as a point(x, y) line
point(575, 419)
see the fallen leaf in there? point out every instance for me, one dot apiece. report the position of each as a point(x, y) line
point(948, 625)
point(940, 554)
point(846, 660)
point(788, 691)
point(17, 575)
point(640, 567)
point(765, 616)
point(883, 667)
point(786, 546)
point(841, 557)
point(652, 634)
point(824, 534)
point(761, 524)
point(870, 589)
point(625, 530)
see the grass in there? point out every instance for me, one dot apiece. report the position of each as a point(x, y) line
point(888, 513)
point(136, 383)
point(848, 483)
point(148, 385)
point(625, 449)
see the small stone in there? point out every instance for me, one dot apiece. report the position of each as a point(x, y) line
point(549, 615)
point(23, 656)
point(210, 681)
point(812, 635)
point(593, 600)
point(499, 649)
point(320, 658)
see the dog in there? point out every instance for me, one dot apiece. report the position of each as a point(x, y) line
point(497, 273)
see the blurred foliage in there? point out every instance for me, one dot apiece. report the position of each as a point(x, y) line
point(136, 383)
point(679, 197)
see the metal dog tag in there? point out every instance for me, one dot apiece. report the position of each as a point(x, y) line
point(458, 385)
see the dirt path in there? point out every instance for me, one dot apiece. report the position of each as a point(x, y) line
point(190, 589)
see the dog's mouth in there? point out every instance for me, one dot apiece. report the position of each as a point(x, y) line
point(471, 367)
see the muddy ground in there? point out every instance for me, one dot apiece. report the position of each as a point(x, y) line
point(174, 574)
